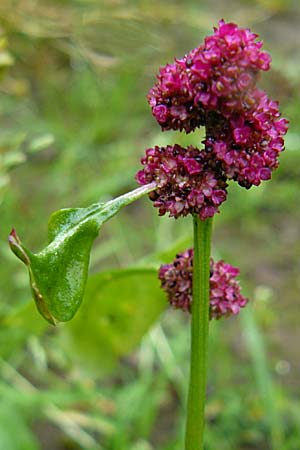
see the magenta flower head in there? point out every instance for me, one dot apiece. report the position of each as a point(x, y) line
point(186, 184)
point(215, 85)
point(213, 77)
point(225, 292)
point(248, 144)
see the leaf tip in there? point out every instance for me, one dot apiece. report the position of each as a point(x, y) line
point(17, 248)
point(13, 237)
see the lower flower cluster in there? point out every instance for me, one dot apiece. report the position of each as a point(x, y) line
point(225, 293)
point(186, 183)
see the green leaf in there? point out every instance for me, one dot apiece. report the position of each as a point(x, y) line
point(59, 272)
point(118, 309)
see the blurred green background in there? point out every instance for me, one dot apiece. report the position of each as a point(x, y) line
point(74, 122)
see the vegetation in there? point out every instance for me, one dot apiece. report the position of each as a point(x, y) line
point(74, 122)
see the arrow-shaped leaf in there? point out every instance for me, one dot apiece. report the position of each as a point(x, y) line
point(59, 272)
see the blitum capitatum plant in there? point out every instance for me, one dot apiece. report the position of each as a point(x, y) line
point(214, 86)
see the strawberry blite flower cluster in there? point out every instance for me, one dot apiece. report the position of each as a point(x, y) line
point(214, 86)
point(225, 292)
point(186, 183)
point(248, 144)
point(216, 76)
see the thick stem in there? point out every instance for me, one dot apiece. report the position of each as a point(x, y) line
point(199, 335)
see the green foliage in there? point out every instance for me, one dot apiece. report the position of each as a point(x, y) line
point(12, 419)
point(119, 308)
point(264, 381)
point(17, 327)
point(77, 91)
point(58, 273)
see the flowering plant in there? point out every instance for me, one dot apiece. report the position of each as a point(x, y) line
point(213, 86)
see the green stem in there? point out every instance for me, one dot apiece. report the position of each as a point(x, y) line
point(132, 196)
point(199, 335)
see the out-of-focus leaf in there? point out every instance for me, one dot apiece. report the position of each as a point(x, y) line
point(167, 255)
point(119, 307)
point(6, 59)
point(59, 272)
point(41, 142)
point(14, 432)
point(17, 327)
point(265, 385)
point(4, 180)
point(13, 158)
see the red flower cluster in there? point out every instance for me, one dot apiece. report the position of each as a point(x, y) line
point(249, 143)
point(186, 182)
point(213, 77)
point(215, 86)
point(225, 293)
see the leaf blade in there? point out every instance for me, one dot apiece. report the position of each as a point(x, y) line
point(119, 307)
point(58, 273)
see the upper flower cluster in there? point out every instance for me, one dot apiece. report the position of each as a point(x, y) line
point(213, 77)
point(249, 142)
point(215, 86)
point(186, 182)
point(225, 293)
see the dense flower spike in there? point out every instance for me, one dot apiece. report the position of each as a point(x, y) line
point(249, 143)
point(225, 293)
point(213, 77)
point(214, 86)
point(186, 181)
